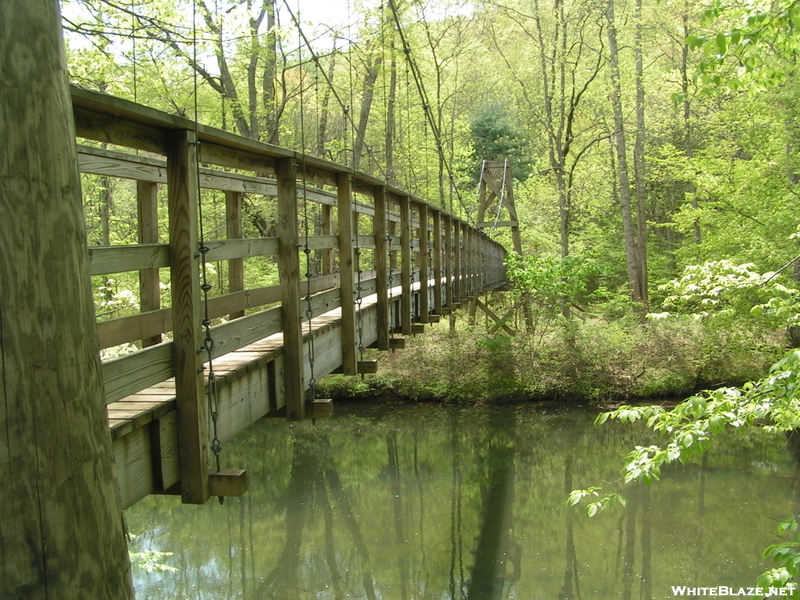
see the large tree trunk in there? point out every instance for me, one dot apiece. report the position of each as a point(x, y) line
point(61, 529)
point(638, 159)
point(622, 158)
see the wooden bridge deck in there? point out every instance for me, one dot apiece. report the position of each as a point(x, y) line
point(421, 262)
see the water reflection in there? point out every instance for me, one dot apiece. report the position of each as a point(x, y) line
point(465, 504)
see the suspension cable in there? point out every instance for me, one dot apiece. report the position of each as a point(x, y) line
point(312, 382)
point(426, 106)
point(315, 59)
point(208, 340)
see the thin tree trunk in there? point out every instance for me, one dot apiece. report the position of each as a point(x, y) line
point(622, 158)
point(687, 123)
point(322, 131)
point(61, 529)
point(366, 107)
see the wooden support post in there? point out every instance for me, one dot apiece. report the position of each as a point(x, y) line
point(61, 528)
point(448, 261)
point(405, 265)
point(381, 272)
point(228, 482)
point(344, 209)
point(192, 407)
point(423, 263)
point(326, 255)
point(437, 262)
point(289, 272)
point(393, 253)
point(457, 283)
point(467, 236)
point(233, 222)
point(149, 288)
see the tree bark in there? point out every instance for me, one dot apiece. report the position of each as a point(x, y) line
point(622, 158)
point(638, 158)
point(61, 529)
point(366, 106)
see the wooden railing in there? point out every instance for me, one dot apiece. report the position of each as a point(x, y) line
point(403, 236)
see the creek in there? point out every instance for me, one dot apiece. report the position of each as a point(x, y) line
point(402, 502)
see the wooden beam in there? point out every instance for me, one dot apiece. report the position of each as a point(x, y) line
point(228, 482)
point(233, 222)
point(381, 270)
point(344, 212)
point(192, 407)
point(147, 224)
point(405, 265)
point(289, 271)
point(500, 322)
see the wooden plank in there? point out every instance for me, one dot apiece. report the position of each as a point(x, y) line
point(189, 385)
point(144, 326)
point(130, 257)
point(379, 227)
point(405, 265)
point(423, 263)
point(234, 230)
point(135, 372)
point(346, 276)
point(289, 270)
point(250, 159)
point(366, 241)
point(322, 242)
point(98, 161)
point(230, 249)
point(241, 332)
point(494, 224)
point(147, 226)
point(447, 292)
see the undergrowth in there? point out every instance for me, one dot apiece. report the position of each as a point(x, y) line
point(597, 360)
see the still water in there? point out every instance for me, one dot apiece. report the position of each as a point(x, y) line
point(428, 502)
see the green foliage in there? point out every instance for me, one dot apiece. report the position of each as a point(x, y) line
point(726, 292)
point(495, 136)
point(771, 403)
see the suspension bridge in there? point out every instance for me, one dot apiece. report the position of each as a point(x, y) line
point(361, 263)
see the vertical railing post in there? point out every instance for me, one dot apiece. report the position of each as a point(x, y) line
point(448, 261)
point(192, 409)
point(149, 288)
point(381, 271)
point(289, 272)
point(405, 264)
point(326, 255)
point(344, 210)
point(457, 283)
point(437, 261)
point(233, 223)
point(424, 311)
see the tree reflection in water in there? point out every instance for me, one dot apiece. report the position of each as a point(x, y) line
point(425, 503)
